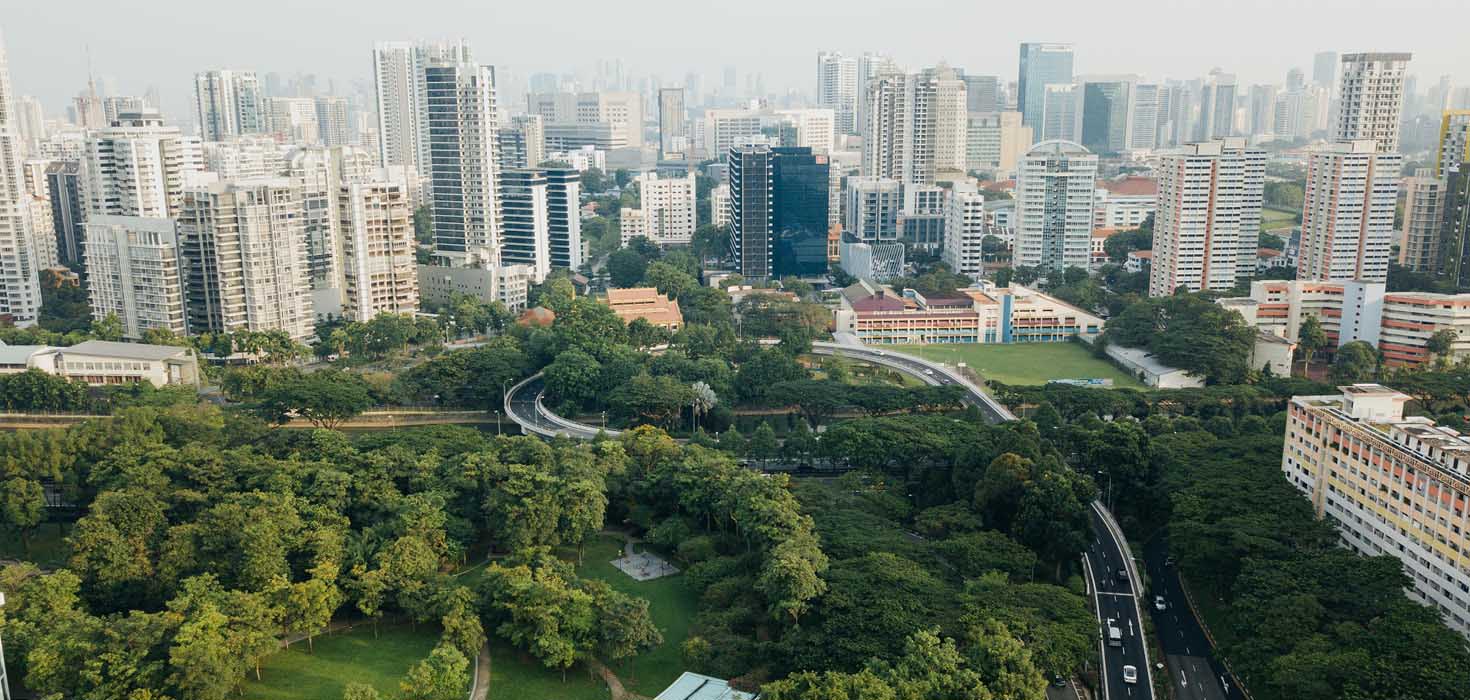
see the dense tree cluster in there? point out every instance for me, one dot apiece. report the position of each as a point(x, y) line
point(1188, 331)
point(207, 538)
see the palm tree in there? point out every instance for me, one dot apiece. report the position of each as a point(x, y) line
point(703, 399)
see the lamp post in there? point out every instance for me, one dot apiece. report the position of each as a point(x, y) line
point(497, 422)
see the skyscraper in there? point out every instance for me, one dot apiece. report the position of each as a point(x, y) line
point(1041, 65)
point(523, 142)
point(837, 89)
point(1107, 114)
point(244, 258)
point(1208, 219)
point(1217, 107)
point(1454, 242)
point(1059, 104)
point(402, 100)
point(463, 162)
point(750, 170)
point(378, 270)
point(996, 142)
point(68, 210)
point(1348, 212)
point(526, 232)
point(564, 216)
point(1324, 68)
point(673, 127)
point(1424, 200)
point(1054, 190)
point(982, 93)
point(916, 126)
point(800, 191)
point(1143, 134)
point(1371, 93)
point(229, 103)
point(137, 166)
point(331, 120)
point(20, 294)
point(1454, 142)
point(134, 273)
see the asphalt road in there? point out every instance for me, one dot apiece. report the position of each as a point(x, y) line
point(1115, 601)
point(1195, 673)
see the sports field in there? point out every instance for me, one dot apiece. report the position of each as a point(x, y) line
point(1024, 363)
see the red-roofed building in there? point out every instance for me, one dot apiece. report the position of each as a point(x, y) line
point(1100, 238)
point(983, 314)
point(1124, 202)
point(1139, 261)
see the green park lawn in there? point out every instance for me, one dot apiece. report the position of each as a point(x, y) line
point(1277, 218)
point(1024, 363)
point(354, 655)
point(670, 602)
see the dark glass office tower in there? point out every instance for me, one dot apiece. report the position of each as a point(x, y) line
point(799, 212)
point(750, 209)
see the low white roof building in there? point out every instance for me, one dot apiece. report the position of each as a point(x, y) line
point(692, 686)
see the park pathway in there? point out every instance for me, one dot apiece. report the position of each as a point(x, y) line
point(481, 688)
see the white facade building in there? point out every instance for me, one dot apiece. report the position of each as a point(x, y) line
point(964, 232)
point(719, 205)
point(666, 213)
point(916, 126)
point(1054, 189)
point(134, 273)
point(1348, 212)
point(379, 271)
point(20, 293)
point(243, 245)
point(813, 128)
point(873, 206)
point(1371, 98)
point(137, 167)
point(402, 99)
point(1209, 216)
point(464, 163)
point(837, 88)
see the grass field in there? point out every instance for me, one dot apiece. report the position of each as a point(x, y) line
point(1024, 363)
point(516, 675)
point(1277, 218)
point(296, 674)
point(670, 602)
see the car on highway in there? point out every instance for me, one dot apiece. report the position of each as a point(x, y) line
point(929, 372)
point(1115, 635)
point(1130, 674)
point(1122, 575)
point(879, 353)
point(1160, 604)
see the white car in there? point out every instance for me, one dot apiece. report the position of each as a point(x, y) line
point(1159, 603)
point(929, 372)
point(1130, 674)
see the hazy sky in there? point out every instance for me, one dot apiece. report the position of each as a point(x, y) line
point(139, 43)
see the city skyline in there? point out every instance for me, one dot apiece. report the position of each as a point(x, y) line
point(138, 48)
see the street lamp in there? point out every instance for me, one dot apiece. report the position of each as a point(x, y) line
point(497, 422)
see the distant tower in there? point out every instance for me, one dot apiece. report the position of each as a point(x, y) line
point(228, 103)
point(20, 293)
point(1041, 65)
point(837, 89)
point(1372, 98)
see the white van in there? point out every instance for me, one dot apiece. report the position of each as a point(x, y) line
point(1115, 635)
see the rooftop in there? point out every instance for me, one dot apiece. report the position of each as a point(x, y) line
point(692, 686)
point(132, 351)
point(20, 354)
point(1131, 186)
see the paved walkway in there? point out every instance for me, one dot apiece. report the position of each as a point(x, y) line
point(481, 687)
